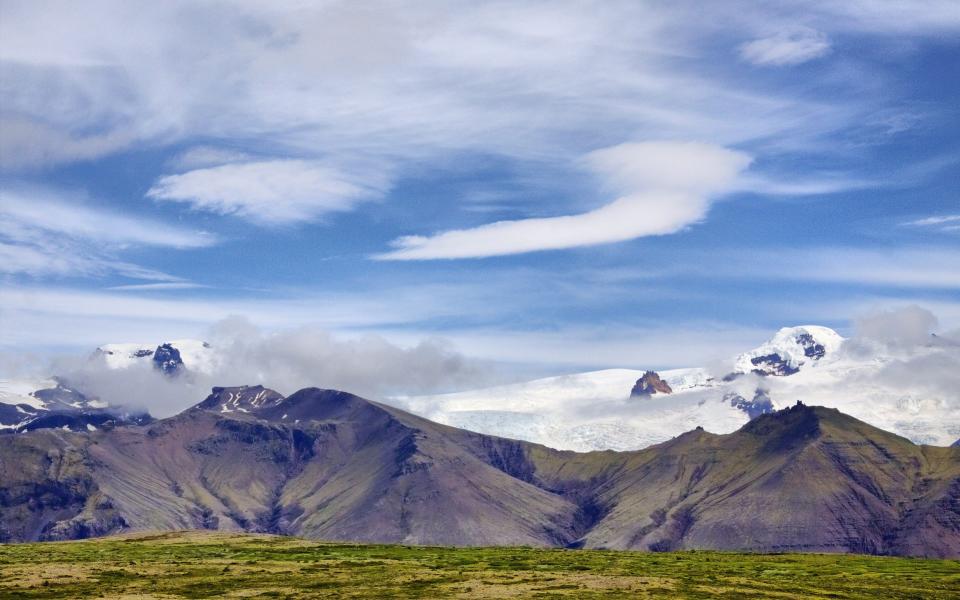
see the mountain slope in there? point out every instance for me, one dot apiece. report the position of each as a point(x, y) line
point(344, 468)
point(329, 465)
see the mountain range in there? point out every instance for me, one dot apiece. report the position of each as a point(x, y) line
point(906, 390)
point(325, 464)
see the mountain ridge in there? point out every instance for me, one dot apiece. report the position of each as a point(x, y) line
point(326, 464)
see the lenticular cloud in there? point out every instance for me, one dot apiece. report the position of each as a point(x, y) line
point(662, 186)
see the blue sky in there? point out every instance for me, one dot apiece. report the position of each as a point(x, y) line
point(554, 185)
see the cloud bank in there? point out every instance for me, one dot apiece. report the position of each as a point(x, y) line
point(286, 361)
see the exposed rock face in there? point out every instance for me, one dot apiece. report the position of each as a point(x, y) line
point(811, 347)
point(772, 364)
point(648, 385)
point(759, 405)
point(329, 465)
point(167, 359)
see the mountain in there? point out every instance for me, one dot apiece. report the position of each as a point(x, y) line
point(788, 351)
point(620, 409)
point(30, 405)
point(325, 464)
point(169, 357)
point(650, 384)
point(896, 389)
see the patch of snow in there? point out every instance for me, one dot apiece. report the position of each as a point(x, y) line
point(91, 427)
point(18, 391)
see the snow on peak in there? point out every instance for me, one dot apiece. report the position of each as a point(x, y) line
point(789, 350)
point(196, 355)
point(241, 398)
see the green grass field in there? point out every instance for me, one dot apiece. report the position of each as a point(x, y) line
point(205, 565)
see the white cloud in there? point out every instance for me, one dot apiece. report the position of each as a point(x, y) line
point(68, 260)
point(158, 287)
point(903, 326)
point(49, 315)
point(28, 143)
point(270, 192)
point(790, 47)
point(199, 157)
point(887, 16)
point(577, 347)
point(284, 360)
point(42, 234)
point(402, 86)
point(947, 223)
point(920, 267)
point(665, 187)
point(37, 208)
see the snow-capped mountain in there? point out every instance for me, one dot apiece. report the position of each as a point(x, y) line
point(596, 410)
point(170, 357)
point(789, 350)
point(28, 404)
point(617, 409)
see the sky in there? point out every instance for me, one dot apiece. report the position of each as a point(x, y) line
point(545, 186)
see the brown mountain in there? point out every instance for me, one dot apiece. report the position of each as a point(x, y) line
point(649, 384)
point(329, 465)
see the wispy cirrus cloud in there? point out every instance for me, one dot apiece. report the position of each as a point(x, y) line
point(784, 48)
point(163, 286)
point(541, 83)
point(28, 208)
point(270, 192)
point(945, 223)
point(664, 187)
point(47, 233)
point(916, 267)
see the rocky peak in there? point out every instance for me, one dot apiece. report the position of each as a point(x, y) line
point(167, 358)
point(759, 405)
point(650, 384)
point(242, 398)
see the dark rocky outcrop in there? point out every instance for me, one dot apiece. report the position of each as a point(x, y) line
point(772, 364)
point(759, 405)
point(776, 365)
point(329, 465)
point(167, 359)
point(649, 384)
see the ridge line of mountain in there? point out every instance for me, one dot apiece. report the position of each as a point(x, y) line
point(327, 464)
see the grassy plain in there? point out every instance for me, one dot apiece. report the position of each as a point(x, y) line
point(216, 565)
